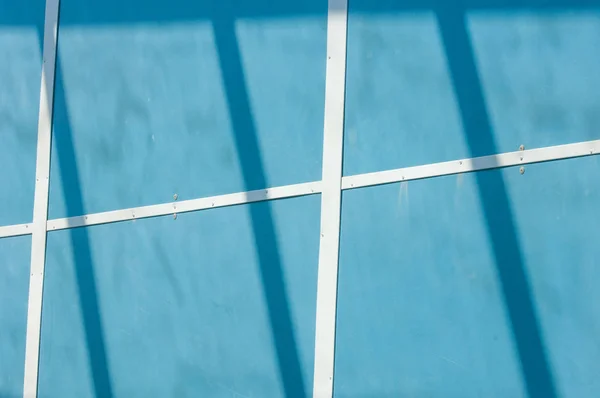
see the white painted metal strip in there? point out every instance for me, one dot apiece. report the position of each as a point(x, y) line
point(537, 155)
point(15, 230)
point(335, 87)
point(473, 164)
point(40, 204)
point(287, 191)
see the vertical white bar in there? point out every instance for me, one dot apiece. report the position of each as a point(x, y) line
point(337, 20)
point(40, 204)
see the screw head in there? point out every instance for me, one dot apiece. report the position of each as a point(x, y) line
point(522, 148)
point(174, 216)
point(522, 170)
point(175, 197)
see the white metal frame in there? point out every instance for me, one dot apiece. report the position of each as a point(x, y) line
point(330, 188)
point(468, 165)
point(40, 203)
point(508, 159)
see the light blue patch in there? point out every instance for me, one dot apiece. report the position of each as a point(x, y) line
point(217, 303)
point(155, 105)
point(14, 281)
point(21, 29)
point(477, 285)
point(435, 83)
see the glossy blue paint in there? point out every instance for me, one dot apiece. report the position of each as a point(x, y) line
point(217, 303)
point(14, 280)
point(430, 81)
point(212, 105)
point(436, 279)
point(20, 74)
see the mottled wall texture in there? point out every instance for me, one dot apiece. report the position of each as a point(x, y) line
point(462, 286)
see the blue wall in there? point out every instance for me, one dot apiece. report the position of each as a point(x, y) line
point(471, 285)
point(14, 283)
point(147, 107)
point(432, 82)
point(21, 27)
point(448, 289)
point(218, 303)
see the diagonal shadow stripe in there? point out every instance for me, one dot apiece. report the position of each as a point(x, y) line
point(501, 229)
point(265, 237)
point(81, 250)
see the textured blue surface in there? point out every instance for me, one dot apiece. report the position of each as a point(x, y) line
point(185, 307)
point(463, 286)
point(20, 71)
point(14, 280)
point(212, 105)
point(431, 82)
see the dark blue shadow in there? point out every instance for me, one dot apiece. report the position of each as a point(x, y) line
point(246, 141)
point(265, 237)
point(501, 229)
point(99, 12)
point(62, 137)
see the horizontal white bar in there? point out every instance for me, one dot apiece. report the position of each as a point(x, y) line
point(15, 230)
point(566, 151)
point(473, 164)
point(286, 191)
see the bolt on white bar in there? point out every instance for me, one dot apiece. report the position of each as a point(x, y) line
point(286, 191)
point(538, 155)
point(335, 83)
point(40, 203)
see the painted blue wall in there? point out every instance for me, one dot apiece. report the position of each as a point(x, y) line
point(433, 81)
point(14, 283)
point(21, 27)
point(148, 106)
point(218, 303)
point(472, 285)
point(462, 286)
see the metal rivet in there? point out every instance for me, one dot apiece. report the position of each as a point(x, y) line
point(522, 170)
point(175, 197)
point(522, 148)
point(213, 205)
point(322, 235)
point(521, 158)
point(174, 216)
point(460, 162)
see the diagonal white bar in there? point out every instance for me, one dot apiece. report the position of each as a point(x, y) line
point(15, 230)
point(238, 198)
point(508, 159)
point(40, 203)
point(330, 198)
point(530, 156)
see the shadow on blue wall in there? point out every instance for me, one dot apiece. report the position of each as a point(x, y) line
point(82, 255)
point(535, 366)
point(247, 145)
point(501, 229)
point(265, 237)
